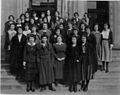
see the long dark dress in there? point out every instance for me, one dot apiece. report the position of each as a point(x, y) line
point(93, 60)
point(45, 64)
point(59, 51)
point(17, 49)
point(74, 65)
point(30, 57)
point(85, 61)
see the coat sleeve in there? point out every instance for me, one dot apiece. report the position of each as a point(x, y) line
point(25, 54)
point(110, 37)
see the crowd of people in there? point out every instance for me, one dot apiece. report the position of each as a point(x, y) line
point(56, 50)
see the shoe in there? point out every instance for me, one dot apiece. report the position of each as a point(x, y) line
point(75, 88)
point(27, 89)
point(70, 88)
point(42, 89)
point(52, 88)
point(33, 90)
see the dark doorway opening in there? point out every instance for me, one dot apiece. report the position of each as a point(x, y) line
point(99, 15)
point(42, 6)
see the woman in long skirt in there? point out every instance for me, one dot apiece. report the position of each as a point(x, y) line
point(45, 61)
point(98, 35)
point(74, 66)
point(107, 44)
point(29, 62)
point(59, 50)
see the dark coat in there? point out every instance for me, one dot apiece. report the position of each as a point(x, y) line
point(86, 62)
point(45, 60)
point(92, 46)
point(74, 65)
point(30, 57)
point(17, 49)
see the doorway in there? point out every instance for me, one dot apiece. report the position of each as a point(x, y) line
point(42, 6)
point(100, 14)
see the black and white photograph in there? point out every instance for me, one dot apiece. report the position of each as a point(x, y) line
point(60, 47)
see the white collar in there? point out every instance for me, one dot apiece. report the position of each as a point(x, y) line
point(59, 43)
point(31, 44)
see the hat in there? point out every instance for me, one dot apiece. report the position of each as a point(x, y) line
point(31, 35)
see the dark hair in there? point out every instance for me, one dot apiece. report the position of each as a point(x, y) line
point(107, 24)
point(22, 15)
point(75, 28)
point(31, 35)
point(44, 35)
point(18, 19)
point(76, 13)
point(11, 16)
point(12, 24)
point(87, 27)
point(57, 12)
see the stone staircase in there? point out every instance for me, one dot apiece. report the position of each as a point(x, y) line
point(9, 83)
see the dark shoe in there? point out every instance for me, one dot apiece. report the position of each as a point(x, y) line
point(27, 89)
point(106, 71)
point(51, 88)
point(85, 89)
point(75, 88)
point(70, 88)
point(33, 90)
point(42, 89)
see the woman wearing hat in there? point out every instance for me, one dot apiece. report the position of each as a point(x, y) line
point(29, 61)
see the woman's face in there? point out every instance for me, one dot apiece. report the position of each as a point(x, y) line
point(44, 26)
point(59, 39)
point(20, 31)
point(82, 26)
point(84, 39)
point(44, 39)
point(74, 40)
point(96, 27)
point(31, 39)
point(27, 15)
point(42, 15)
point(34, 29)
point(32, 21)
point(56, 14)
point(19, 20)
point(105, 26)
point(11, 18)
point(58, 32)
point(48, 12)
point(12, 27)
point(26, 27)
point(88, 30)
point(75, 32)
point(22, 17)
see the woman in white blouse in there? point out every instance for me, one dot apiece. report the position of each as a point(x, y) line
point(107, 44)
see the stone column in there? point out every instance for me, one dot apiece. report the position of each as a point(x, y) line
point(115, 21)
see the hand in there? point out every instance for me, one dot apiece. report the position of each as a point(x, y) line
point(77, 60)
point(9, 47)
point(24, 63)
point(111, 46)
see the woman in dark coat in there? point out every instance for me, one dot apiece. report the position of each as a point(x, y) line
point(85, 61)
point(45, 56)
point(17, 47)
point(29, 62)
point(74, 66)
point(93, 60)
point(59, 50)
